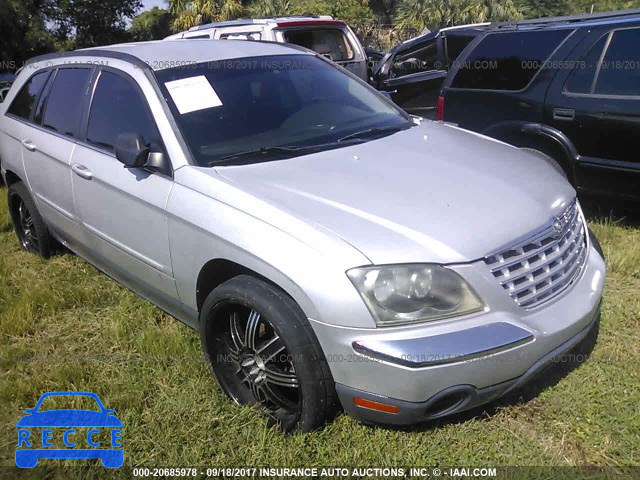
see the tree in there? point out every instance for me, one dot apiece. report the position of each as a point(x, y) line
point(269, 8)
point(23, 33)
point(355, 12)
point(415, 15)
point(546, 8)
point(585, 6)
point(91, 22)
point(154, 24)
point(189, 13)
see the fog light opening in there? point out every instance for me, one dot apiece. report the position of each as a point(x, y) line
point(448, 403)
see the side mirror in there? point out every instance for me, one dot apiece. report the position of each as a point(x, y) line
point(131, 150)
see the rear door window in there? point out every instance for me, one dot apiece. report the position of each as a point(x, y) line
point(24, 103)
point(329, 42)
point(507, 61)
point(63, 105)
point(619, 73)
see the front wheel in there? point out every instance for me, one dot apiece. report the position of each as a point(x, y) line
point(264, 352)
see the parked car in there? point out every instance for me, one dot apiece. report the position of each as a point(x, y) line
point(373, 57)
point(567, 88)
point(413, 71)
point(329, 248)
point(6, 80)
point(332, 38)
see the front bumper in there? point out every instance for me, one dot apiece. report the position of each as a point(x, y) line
point(435, 369)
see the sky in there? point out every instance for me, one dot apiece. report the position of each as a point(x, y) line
point(149, 4)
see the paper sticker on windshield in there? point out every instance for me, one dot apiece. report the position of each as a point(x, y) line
point(193, 94)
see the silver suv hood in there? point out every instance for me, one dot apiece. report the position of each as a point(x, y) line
point(432, 193)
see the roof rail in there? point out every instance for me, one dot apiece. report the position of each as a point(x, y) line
point(228, 23)
point(566, 19)
point(308, 15)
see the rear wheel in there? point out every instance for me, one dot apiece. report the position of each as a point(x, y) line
point(264, 352)
point(31, 230)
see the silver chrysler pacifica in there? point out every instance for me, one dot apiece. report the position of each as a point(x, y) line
point(331, 250)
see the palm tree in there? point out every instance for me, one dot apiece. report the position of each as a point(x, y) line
point(189, 13)
point(417, 14)
point(269, 8)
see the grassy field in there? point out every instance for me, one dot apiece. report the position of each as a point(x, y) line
point(64, 325)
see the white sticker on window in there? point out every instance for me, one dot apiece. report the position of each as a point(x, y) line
point(193, 94)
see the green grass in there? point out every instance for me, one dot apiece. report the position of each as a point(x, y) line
point(64, 325)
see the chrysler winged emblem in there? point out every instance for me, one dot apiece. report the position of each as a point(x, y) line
point(558, 227)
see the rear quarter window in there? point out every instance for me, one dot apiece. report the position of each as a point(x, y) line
point(25, 102)
point(241, 36)
point(507, 61)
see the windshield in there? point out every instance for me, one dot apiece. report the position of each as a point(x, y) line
point(233, 106)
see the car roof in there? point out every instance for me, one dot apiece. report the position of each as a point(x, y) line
point(459, 29)
point(573, 21)
point(280, 21)
point(163, 54)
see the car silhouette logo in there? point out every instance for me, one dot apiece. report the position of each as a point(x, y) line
point(31, 447)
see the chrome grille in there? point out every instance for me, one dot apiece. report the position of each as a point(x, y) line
point(538, 268)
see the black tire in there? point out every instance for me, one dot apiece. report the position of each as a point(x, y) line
point(279, 346)
point(31, 230)
point(547, 159)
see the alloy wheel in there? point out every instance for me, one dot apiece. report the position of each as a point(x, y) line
point(254, 364)
point(26, 229)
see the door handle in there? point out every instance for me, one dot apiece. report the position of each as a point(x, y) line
point(564, 114)
point(28, 145)
point(81, 171)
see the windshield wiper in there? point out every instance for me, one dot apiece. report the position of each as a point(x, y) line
point(370, 132)
point(257, 152)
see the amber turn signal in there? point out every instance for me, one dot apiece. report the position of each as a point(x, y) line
point(370, 404)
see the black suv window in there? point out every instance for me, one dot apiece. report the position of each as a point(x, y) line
point(420, 58)
point(63, 106)
point(456, 44)
point(118, 107)
point(25, 101)
point(581, 78)
point(619, 73)
point(507, 61)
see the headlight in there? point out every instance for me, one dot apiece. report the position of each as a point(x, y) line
point(401, 294)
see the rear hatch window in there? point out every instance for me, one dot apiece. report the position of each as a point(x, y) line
point(330, 42)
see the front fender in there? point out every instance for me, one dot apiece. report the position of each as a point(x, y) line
point(206, 225)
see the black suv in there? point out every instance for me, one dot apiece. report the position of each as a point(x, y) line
point(568, 88)
point(413, 72)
